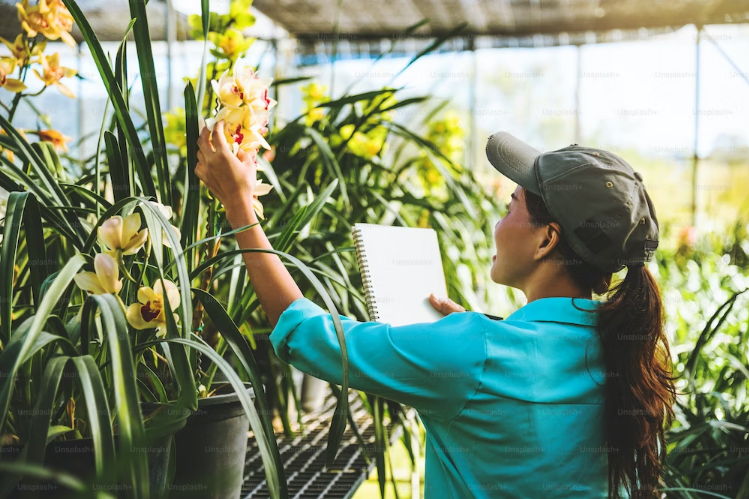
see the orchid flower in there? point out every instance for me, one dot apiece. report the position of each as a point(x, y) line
point(49, 17)
point(7, 66)
point(167, 212)
point(104, 281)
point(123, 234)
point(150, 311)
point(53, 73)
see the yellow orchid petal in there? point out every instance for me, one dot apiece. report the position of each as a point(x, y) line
point(88, 281)
point(172, 294)
point(110, 232)
point(164, 239)
point(130, 227)
point(135, 317)
point(262, 189)
point(64, 90)
point(69, 40)
point(258, 206)
point(38, 75)
point(165, 210)
point(13, 85)
point(146, 294)
point(136, 243)
point(107, 273)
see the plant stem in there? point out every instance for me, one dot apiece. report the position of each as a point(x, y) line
point(22, 72)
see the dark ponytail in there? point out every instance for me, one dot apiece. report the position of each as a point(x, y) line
point(640, 387)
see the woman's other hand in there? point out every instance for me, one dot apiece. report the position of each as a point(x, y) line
point(446, 305)
point(230, 178)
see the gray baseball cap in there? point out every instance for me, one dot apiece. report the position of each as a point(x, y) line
point(597, 198)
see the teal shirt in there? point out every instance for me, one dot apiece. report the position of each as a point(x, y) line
point(512, 408)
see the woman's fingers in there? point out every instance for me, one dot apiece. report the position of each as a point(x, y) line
point(201, 157)
point(204, 143)
point(218, 137)
point(245, 158)
point(446, 305)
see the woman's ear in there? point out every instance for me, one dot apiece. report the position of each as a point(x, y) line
point(550, 237)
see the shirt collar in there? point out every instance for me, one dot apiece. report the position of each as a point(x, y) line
point(558, 309)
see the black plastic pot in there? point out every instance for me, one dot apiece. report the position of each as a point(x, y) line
point(211, 449)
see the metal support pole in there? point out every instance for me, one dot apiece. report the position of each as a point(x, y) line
point(695, 156)
point(81, 106)
point(170, 30)
point(577, 94)
point(469, 155)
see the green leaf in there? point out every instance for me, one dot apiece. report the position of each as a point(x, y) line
point(16, 357)
point(206, 18)
point(117, 171)
point(21, 206)
point(230, 332)
point(55, 431)
point(191, 194)
point(338, 424)
point(329, 161)
point(261, 438)
point(290, 81)
point(365, 96)
point(120, 107)
point(158, 225)
point(130, 430)
point(151, 96)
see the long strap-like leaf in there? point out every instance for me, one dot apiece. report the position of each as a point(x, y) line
point(191, 193)
point(230, 332)
point(21, 206)
point(151, 97)
point(121, 110)
point(48, 303)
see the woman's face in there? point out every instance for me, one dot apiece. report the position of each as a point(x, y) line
point(517, 242)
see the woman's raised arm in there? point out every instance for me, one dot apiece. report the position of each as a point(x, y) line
point(231, 179)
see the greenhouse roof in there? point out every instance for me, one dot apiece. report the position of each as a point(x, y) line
point(108, 18)
point(361, 19)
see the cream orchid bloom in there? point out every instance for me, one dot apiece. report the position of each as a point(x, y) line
point(261, 189)
point(240, 132)
point(167, 212)
point(244, 105)
point(123, 234)
point(104, 280)
point(150, 311)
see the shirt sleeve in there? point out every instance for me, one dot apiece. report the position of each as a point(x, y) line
point(433, 367)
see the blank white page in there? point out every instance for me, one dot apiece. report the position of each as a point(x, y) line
point(401, 266)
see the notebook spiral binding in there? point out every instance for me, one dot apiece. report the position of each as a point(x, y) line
point(366, 280)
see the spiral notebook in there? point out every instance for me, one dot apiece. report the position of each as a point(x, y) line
point(400, 267)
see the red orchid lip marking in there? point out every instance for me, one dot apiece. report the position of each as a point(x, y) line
point(148, 313)
point(238, 137)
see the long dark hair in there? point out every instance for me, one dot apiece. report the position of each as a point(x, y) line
point(640, 387)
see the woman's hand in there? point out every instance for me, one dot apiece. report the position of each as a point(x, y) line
point(446, 306)
point(231, 179)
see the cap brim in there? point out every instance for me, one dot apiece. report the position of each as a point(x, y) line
point(514, 159)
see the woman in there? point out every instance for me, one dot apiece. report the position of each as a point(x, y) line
point(566, 397)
